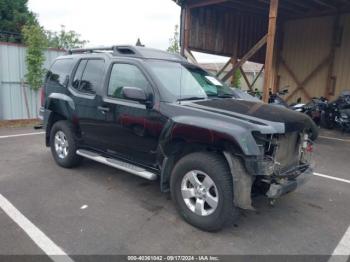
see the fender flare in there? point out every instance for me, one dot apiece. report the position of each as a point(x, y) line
point(59, 106)
point(176, 130)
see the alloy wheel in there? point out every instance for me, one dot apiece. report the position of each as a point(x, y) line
point(199, 193)
point(61, 145)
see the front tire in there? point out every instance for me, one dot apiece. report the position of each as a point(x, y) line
point(201, 186)
point(64, 145)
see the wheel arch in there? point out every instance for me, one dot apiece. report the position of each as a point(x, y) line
point(179, 148)
point(59, 107)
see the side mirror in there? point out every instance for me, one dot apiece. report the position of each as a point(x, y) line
point(66, 81)
point(134, 93)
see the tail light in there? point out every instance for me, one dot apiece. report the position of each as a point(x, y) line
point(42, 96)
point(309, 148)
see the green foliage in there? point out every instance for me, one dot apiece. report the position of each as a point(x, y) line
point(236, 79)
point(36, 42)
point(14, 14)
point(64, 39)
point(174, 43)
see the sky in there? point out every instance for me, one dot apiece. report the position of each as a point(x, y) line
point(110, 22)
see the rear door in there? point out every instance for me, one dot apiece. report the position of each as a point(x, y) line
point(86, 88)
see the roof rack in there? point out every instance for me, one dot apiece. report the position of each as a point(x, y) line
point(130, 51)
point(116, 50)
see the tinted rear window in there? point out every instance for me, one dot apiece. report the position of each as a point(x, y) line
point(92, 77)
point(58, 72)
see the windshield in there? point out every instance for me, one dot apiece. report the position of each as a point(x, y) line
point(184, 81)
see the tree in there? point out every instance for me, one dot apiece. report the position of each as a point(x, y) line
point(64, 39)
point(36, 42)
point(174, 43)
point(236, 79)
point(14, 14)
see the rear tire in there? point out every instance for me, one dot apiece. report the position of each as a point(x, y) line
point(64, 145)
point(215, 207)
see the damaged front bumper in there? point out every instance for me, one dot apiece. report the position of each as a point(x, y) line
point(282, 166)
point(289, 181)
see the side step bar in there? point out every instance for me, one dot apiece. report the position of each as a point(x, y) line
point(139, 171)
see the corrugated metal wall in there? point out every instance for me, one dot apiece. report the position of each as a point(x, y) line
point(12, 72)
point(306, 43)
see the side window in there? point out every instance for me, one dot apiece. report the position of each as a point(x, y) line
point(78, 74)
point(89, 75)
point(59, 71)
point(125, 75)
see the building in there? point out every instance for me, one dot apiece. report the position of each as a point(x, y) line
point(253, 77)
point(304, 45)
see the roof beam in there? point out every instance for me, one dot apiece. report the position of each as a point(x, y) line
point(241, 8)
point(198, 3)
point(304, 6)
point(249, 5)
point(283, 6)
point(250, 9)
point(326, 4)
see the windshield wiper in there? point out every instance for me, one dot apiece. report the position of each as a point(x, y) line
point(225, 95)
point(191, 98)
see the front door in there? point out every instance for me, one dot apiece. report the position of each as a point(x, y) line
point(133, 128)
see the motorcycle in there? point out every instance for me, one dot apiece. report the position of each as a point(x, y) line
point(277, 100)
point(315, 108)
point(337, 113)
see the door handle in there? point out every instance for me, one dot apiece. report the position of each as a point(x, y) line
point(103, 109)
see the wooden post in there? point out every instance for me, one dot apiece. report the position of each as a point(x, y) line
point(270, 48)
point(186, 29)
point(329, 91)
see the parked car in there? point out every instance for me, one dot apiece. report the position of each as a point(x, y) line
point(153, 114)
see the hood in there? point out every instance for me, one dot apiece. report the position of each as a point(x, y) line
point(256, 112)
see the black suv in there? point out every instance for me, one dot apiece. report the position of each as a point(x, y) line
point(153, 114)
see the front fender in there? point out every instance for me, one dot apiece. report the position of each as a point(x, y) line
point(208, 131)
point(199, 131)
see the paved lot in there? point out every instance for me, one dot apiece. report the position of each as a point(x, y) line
point(128, 215)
